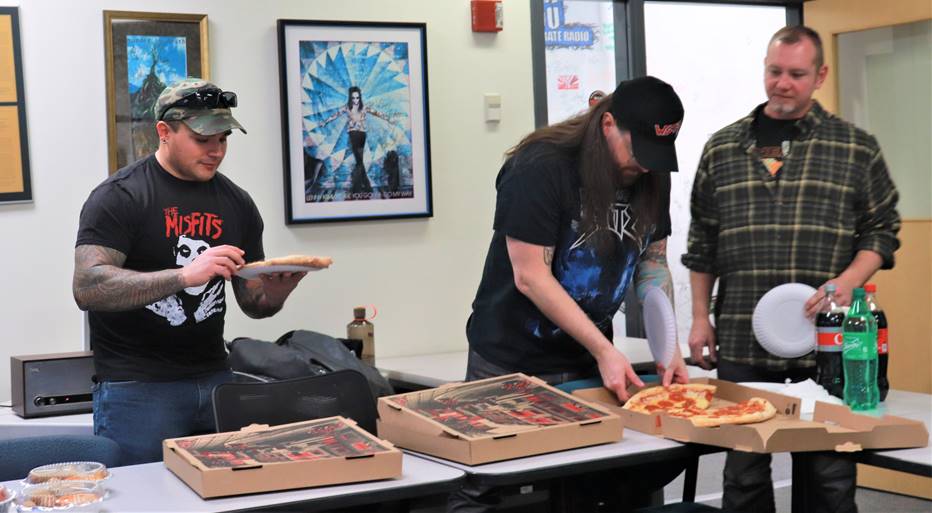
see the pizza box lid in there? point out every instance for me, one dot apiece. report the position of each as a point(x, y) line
point(494, 419)
point(262, 458)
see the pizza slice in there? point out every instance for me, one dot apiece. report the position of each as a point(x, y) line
point(676, 397)
point(314, 262)
point(755, 409)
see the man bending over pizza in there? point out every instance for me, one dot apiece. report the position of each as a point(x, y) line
point(155, 244)
point(578, 217)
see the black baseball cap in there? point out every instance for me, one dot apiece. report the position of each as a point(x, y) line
point(650, 109)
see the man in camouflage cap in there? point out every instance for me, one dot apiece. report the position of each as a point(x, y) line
point(201, 105)
point(156, 243)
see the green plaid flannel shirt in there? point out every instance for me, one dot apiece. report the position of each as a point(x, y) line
point(832, 198)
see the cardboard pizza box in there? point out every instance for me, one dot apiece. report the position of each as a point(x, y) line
point(833, 427)
point(494, 419)
point(261, 458)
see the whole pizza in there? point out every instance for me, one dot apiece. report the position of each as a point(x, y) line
point(693, 400)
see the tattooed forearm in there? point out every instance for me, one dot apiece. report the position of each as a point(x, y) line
point(652, 271)
point(101, 284)
point(548, 255)
point(252, 299)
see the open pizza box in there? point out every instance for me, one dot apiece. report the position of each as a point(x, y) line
point(833, 427)
point(261, 458)
point(494, 419)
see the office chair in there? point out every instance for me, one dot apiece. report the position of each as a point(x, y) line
point(20, 455)
point(344, 392)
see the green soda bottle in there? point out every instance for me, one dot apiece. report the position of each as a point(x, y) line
point(859, 355)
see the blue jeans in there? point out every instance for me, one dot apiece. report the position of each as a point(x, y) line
point(138, 415)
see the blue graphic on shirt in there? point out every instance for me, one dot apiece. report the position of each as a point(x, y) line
point(597, 283)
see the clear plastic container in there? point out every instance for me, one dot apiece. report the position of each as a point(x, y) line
point(6, 500)
point(68, 471)
point(59, 495)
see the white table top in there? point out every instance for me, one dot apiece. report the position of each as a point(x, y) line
point(152, 487)
point(913, 406)
point(632, 446)
point(14, 426)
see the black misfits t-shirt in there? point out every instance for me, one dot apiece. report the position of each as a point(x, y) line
point(160, 222)
point(538, 202)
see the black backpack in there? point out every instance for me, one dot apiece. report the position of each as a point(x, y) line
point(301, 353)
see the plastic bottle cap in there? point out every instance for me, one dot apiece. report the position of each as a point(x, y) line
point(870, 287)
point(359, 312)
point(858, 292)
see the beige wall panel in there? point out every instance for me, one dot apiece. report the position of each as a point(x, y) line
point(829, 17)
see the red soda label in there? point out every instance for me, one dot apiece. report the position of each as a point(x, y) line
point(882, 346)
point(829, 339)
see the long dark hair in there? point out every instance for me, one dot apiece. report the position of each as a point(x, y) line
point(349, 98)
point(581, 137)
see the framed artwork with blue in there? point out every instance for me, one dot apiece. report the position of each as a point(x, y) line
point(355, 128)
point(145, 52)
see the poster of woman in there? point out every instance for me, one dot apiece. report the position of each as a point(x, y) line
point(356, 120)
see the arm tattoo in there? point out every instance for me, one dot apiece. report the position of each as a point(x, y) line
point(252, 299)
point(652, 271)
point(548, 255)
point(101, 284)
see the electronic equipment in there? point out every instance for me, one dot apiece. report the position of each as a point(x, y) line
point(52, 384)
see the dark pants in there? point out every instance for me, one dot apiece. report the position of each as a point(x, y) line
point(138, 415)
point(748, 487)
point(613, 490)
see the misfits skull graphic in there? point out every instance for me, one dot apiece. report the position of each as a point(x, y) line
point(171, 308)
point(185, 252)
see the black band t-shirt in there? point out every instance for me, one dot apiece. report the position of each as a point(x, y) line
point(774, 137)
point(161, 222)
point(538, 202)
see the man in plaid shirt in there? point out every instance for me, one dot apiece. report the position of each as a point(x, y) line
point(790, 193)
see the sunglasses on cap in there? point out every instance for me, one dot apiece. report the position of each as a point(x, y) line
point(203, 99)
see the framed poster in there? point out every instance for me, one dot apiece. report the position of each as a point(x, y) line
point(15, 184)
point(145, 52)
point(355, 131)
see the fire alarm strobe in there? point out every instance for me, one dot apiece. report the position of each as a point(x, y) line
point(486, 15)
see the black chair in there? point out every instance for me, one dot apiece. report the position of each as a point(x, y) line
point(20, 455)
point(343, 392)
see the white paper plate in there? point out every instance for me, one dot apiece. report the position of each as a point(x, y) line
point(249, 273)
point(660, 325)
point(780, 323)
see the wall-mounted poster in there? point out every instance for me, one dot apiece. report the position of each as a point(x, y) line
point(356, 139)
point(145, 52)
point(15, 185)
point(579, 38)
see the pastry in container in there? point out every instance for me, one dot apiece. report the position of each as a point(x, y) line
point(6, 500)
point(59, 495)
point(68, 471)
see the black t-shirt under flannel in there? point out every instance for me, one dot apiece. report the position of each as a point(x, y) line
point(160, 222)
point(832, 198)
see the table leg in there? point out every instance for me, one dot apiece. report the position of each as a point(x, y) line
point(689, 479)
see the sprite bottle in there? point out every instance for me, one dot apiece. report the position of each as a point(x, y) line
point(859, 354)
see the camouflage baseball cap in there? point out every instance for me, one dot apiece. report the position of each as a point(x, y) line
point(201, 120)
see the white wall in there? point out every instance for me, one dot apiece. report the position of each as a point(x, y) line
point(719, 76)
point(422, 274)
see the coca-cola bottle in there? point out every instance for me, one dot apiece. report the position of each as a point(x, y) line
point(829, 367)
point(883, 345)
